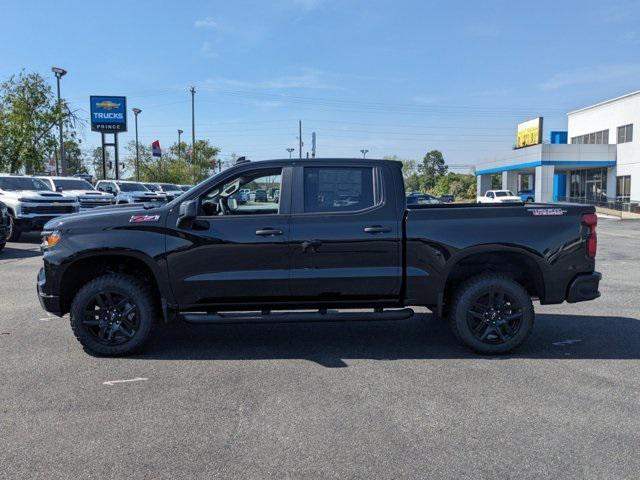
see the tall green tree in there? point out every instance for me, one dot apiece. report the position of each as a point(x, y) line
point(206, 160)
point(431, 169)
point(95, 160)
point(28, 114)
point(76, 163)
point(461, 186)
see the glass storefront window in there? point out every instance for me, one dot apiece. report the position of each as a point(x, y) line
point(588, 185)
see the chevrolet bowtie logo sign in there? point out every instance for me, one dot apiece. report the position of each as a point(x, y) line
point(107, 105)
point(108, 114)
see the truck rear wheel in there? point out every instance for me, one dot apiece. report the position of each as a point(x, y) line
point(112, 315)
point(492, 314)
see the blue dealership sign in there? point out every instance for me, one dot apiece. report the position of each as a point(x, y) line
point(108, 114)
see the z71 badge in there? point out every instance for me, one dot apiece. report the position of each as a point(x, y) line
point(144, 218)
point(547, 212)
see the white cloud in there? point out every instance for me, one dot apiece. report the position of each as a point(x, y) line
point(207, 51)
point(425, 99)
point(208, 22)
point(307, 4)
point(598, 74)
point(305, 79)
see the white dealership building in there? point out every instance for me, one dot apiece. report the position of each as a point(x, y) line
point(597, 160)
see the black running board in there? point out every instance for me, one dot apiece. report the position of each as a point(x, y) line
point(295, 317)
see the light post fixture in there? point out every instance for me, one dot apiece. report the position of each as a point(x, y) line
point(364, 152)
point(290, 150)
point(59, 73)
point(136, 112)
point(180, 132)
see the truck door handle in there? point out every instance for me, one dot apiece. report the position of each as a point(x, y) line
point(266, 232)
point(376, 229)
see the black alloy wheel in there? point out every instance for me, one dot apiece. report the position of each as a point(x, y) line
point(113, 314)
point(111, 317)
point(494, 317)
point(491, 313)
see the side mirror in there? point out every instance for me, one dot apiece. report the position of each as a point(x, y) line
point(59, 189)
point(188, 212)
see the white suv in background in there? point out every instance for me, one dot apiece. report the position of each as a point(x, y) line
point(499, 196)
point(31, 203)
point(129, 192)
point(88, 197)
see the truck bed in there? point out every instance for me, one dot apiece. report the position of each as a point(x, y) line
point(549, 235)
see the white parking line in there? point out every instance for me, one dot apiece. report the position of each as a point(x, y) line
point(565, 342)
point(113, 382)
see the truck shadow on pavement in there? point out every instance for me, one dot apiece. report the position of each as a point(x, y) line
point(10, 253)
point(27, 247)
point(421, 337)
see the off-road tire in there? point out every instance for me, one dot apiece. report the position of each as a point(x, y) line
point(136, 291)
point(474, 288)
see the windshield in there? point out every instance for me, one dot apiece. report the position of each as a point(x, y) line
point(169, 187)
point(76, 184)
point(23, 183)
point(504, 194)
point(132, 187)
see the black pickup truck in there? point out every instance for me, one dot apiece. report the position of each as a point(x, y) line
point(330, 240)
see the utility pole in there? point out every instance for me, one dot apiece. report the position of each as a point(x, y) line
point(364, 153)
point(313, 144)
point(136, 112)
point(300, 138)
point(290, 150)
point(59, 73)
point(193, 131)
point(180, 132)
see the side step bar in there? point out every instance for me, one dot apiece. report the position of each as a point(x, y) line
point(294, 317)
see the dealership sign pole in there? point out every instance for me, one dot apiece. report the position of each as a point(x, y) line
point(108, 116)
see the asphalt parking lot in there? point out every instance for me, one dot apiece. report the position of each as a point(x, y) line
point(355, 400)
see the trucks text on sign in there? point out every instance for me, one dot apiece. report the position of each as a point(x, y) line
point(108, 114)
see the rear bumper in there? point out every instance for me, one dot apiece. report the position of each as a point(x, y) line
point(584, 287)
point(51, 303)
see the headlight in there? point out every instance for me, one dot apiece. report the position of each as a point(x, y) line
point(50, 239)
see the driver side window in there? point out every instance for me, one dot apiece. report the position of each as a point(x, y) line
point(251, 193)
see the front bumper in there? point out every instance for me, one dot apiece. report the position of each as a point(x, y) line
point(36, 223)
point(50, 303)
point(584, 287)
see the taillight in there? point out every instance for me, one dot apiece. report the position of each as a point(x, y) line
point(590, 220)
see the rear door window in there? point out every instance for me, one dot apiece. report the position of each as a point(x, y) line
point(338, 189)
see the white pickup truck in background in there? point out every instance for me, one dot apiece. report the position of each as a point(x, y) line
point(499, 196)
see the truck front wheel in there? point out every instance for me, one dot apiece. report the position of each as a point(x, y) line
point(112, 315)
point(492, 314)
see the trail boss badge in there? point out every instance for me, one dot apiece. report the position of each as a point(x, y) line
point(144, 218)
point(547, 212)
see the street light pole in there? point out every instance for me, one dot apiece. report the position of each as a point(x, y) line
point(193, 130)
point(59, 73)
point(300, 138)
point(364, 153)
point(136, 112)
point(180, 132)
point(290, 150)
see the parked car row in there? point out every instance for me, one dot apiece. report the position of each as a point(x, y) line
point(28, 202)
point(419, 198)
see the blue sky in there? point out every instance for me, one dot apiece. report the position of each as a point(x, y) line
point(395, 77)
